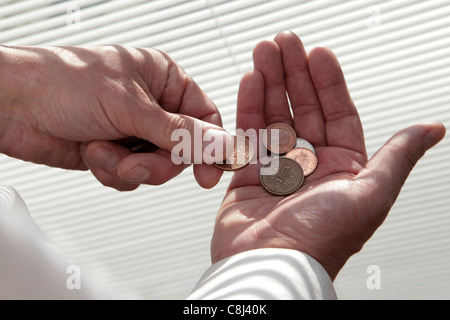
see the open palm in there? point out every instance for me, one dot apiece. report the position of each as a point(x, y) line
point(348, 197)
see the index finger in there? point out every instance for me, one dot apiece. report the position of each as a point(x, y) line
point(250, 103)
point(267, 60)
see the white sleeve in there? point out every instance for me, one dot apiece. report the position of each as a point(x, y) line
point(265, 274)
point(31, 266)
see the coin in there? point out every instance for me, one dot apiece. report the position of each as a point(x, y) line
point(303, 143)
point(242, 155)
point(145, 147)
point(305, 158)
point(287, 138)
point(282, 176)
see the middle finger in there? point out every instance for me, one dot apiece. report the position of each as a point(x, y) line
point(309, 121)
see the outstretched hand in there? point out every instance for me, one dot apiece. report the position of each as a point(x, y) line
point(348, 197)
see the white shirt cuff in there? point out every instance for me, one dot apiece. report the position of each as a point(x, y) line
point(265, 274)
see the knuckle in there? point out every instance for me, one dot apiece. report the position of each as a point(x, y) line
point(177, 121)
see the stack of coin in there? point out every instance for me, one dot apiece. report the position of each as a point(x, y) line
point(286, 138)
point(297, 159)
point(242, 155)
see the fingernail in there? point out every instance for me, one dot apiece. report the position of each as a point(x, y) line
point(435, 135)
point(103, 158)
point(138, 174)
point(217, 145)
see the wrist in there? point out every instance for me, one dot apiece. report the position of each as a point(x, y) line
point(16, 68)
point(20, 72)
point(11, 78)
point(332, 265)
point(332, 258)
point(8, 93)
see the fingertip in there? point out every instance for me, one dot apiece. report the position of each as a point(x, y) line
point(250, 75)
point(251, 86)
point(214, 118)
point(321, 53)
point(137, 174)
point(148, 168)
point(286, 36)
point(436, 134)
point(207, 176)
point(321, 60)
point(325, 69)
point(252, 83)
point(102, 159)
point(265, 51)
point(222, 147)
point(101, 156)
point(265, 44)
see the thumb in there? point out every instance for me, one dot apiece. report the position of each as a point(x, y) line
point(393, 163)
point(189, 140)
point(176, 114)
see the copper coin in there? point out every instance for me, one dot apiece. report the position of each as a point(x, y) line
point(282, 176)
point(287, 138)
point(241, 156)
point(305, 158)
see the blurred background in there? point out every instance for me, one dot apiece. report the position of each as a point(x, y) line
point(153, 243)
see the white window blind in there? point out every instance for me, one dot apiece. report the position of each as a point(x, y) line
point(154, 243)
